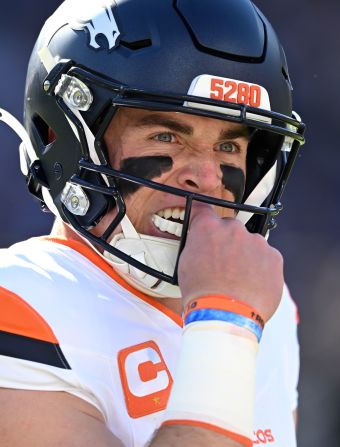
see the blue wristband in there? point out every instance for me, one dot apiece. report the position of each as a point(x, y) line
point(223, 315)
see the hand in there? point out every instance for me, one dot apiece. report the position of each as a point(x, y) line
point(222, 257)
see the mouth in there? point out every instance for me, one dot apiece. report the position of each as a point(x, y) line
point(169, 220)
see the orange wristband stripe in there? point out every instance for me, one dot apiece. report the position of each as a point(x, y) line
point(234, 436)
point(223, 302)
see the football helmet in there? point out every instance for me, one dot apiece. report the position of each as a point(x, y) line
point(214, 58)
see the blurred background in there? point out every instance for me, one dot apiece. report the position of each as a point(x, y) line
point(307, 234)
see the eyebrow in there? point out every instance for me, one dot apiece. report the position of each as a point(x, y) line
point(233, 134)
point(159, 120)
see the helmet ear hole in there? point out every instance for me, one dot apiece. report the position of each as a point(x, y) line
point(52, 136)
point(43, 133)
point(41, 129)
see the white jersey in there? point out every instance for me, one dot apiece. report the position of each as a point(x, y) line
point(69, 323)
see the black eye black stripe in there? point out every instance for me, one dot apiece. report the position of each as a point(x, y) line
point(234, 181)
point(151, 167)
point(145, 167)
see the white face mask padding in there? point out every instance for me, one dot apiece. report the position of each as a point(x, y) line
point(155, 252)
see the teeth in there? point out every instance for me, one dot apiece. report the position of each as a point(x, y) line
point(161, 220)
point(167, 225)
point(175, 213)
point(178, 231)
point(163, 225)
point(167, 213)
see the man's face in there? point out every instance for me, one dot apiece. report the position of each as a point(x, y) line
point(194, 153)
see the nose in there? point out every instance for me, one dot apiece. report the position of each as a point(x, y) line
point(200, 174)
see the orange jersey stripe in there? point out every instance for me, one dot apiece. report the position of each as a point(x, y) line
point(236, 437)
point(18, 317)
point(97, 260)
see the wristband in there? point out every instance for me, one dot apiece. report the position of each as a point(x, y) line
point(228, 317)
point(223, 308)
point(223, 302)
point(214, 384)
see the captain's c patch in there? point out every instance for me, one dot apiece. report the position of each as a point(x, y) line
point(145, 378)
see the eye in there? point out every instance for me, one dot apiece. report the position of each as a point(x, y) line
point(228, 147)
point(165, 137)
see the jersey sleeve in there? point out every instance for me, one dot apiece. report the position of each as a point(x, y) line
point(31, 357)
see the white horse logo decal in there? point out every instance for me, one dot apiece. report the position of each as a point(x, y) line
point(101, 23)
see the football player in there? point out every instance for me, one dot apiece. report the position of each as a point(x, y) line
point(161, 135)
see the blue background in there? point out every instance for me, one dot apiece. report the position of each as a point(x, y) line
point(308, 229)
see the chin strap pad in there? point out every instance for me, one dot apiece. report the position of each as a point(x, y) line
point(145, 249)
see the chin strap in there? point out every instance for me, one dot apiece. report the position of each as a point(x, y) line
point(145, 249)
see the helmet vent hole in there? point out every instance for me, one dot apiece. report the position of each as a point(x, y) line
point(287, 78)
point(45, 133)
point(285, 74)
point(42, 129)
point(137, 45)
point(51, 136)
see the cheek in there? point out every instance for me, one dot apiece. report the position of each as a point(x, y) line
point(234, 181)
point(145, 167)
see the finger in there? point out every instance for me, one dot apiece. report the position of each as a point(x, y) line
point(202, 211)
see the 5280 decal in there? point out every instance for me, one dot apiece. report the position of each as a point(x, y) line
point(233, 91)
